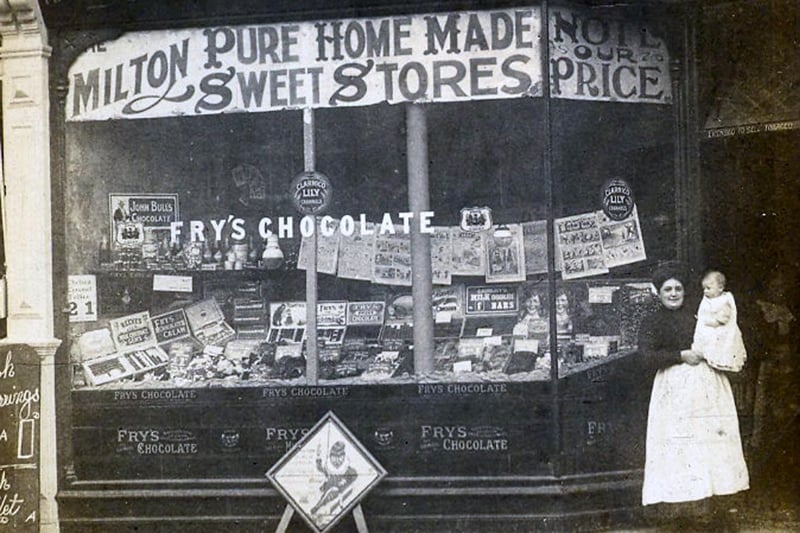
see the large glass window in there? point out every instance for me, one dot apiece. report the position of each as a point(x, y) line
point(187, 257)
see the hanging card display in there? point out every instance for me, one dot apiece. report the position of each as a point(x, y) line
point(356, 254)
point(441, 256)
point(505, 255)
point(468, 253)
point(534, 238)
point(327, 247)
point(580, 246)
point(392, 262)
point(622, 240)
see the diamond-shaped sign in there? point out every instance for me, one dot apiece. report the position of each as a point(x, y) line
point(326, 473)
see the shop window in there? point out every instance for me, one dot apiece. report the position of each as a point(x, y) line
point(187, 257)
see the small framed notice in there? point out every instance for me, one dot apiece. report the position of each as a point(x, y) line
point(82, 298)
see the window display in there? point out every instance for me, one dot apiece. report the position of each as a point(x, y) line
point(198, 278)
point(189, 270)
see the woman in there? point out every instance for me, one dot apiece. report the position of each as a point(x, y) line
point(693, 448)
point(532, 322)
point(563, 313)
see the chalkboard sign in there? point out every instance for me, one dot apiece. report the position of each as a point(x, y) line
point(19, 438)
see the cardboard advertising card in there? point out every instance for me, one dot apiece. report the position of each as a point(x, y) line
point(448, 311)
point(580, 246)
point(399, 323)
point(130, 214)
point(622, 240)
point(392, 262)
point(483, 300)
point(505, 255)
point(365, 313)
point(441, 256)
point(171, 326)
point(287, 321)
point(356, 254)
point(327, 247)
point(133, 332)
point(365, 319)
point(331, 321)
point(469, 257)
point(208, 323)
point(534, 239)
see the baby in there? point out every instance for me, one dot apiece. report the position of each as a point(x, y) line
point(717, 335)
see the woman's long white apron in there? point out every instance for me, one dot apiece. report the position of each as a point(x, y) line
point(694, 449)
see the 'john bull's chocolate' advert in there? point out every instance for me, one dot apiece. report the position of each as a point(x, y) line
point(331, 63)
point(150, 210)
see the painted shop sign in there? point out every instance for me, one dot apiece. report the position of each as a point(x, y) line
point(331, 63)
point(746, 129)
point(19, 439)
point(156, 441)
point(462, 438)
point(446, 57)
point(597, 56)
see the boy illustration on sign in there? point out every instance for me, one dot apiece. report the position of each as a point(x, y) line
point(120, 213)
point(339, 475)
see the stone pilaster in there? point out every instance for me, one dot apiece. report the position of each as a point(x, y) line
point(24, 55)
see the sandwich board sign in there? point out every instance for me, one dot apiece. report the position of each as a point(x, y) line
point(325, 475)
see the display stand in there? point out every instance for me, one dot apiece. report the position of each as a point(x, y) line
point(358, 516)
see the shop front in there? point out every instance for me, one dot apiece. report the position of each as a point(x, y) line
point(437, 224)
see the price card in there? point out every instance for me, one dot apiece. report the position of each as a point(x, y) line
point(82, 298)
point(493, 340)
point(444, 317)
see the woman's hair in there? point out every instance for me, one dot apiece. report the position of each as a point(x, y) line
point(669, 270)
point(527, 295)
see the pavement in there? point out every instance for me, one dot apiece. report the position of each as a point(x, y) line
point(773, 502)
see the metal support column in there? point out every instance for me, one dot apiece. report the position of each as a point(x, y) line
point(309, 162)
point(419, 201)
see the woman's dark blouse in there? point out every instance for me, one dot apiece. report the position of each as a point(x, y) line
point(663, 334)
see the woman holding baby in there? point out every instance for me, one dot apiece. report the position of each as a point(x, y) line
point(693, 446)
